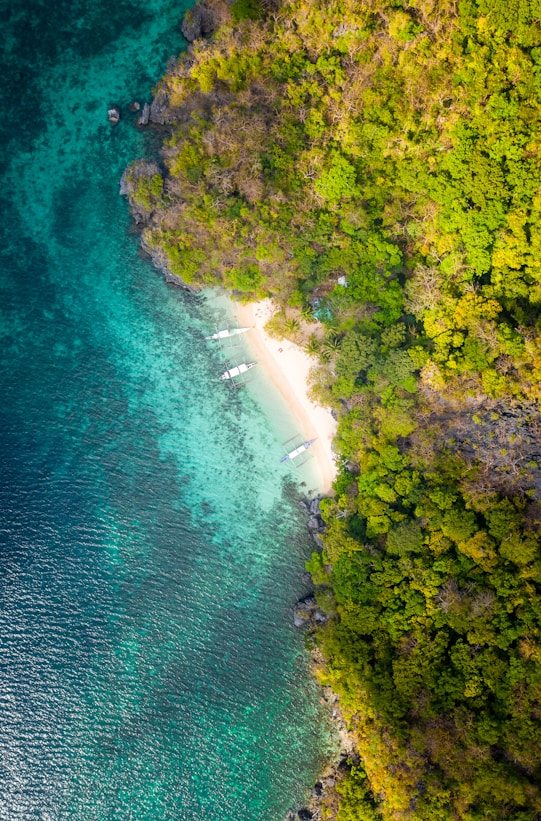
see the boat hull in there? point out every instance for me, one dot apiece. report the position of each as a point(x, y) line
point(227, 333)
point(238, 370)
point(297, 451)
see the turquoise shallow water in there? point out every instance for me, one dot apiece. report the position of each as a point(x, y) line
point(150, 543)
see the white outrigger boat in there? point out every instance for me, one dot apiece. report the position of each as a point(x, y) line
point(297, 451)
point(227, 333)
point(237, 370)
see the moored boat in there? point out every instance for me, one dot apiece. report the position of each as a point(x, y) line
point(297, 451)
point(237, 370)
point(227, 332)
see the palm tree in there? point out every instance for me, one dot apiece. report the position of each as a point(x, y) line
point(330, 347)
point(307, 313)
point(292, 327)
point(313, 346)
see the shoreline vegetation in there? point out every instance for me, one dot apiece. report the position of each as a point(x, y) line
point(374, 169)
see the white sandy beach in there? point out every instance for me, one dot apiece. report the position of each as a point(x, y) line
point(288, 367)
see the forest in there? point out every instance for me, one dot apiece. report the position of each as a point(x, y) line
point(374, 167)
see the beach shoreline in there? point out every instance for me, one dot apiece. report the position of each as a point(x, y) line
point(287, 365)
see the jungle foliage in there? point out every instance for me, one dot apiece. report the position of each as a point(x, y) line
point(377, 163)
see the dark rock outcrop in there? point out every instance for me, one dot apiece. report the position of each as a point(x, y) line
point(316, 525)
point(142, 216)
point(160, 261)
point(306, 613)
point(124, 186)
point(144, 116)
point(198, 23)
point(129, 182)
point(160, 110)
point(499, 436)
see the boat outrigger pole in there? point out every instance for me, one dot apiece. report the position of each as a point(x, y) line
point(297, 452)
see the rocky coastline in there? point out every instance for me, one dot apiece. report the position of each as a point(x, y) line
point(140, 215)
point(322, 803)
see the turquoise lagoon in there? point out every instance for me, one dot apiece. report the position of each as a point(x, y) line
point(151, 548)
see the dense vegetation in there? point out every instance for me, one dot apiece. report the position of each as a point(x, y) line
point(375, 164)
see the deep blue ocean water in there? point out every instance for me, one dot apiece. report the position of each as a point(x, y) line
point(151, 548)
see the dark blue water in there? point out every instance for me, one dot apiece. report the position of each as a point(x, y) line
point(150, 543)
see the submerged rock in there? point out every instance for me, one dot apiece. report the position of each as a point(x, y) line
point(113, 114)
